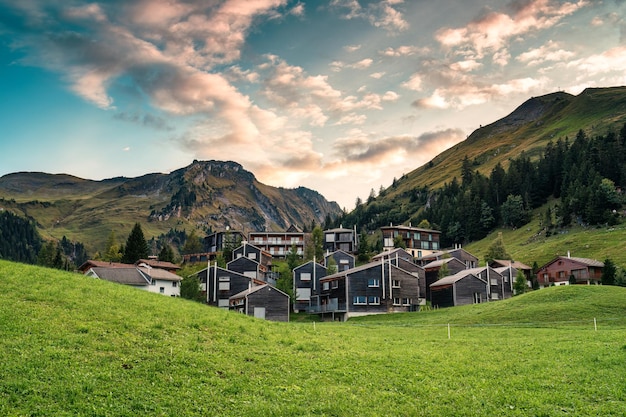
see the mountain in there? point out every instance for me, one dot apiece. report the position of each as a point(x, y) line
point(205, 194)
point(527, 129)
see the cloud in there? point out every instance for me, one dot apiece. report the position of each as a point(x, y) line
point(414, 83)
point(467, 92)
point(382, 14)
point(492, 31)
point(551, 51)
point(352, 48)
point(378, 75)
point(147, 120)
point(404, 50)
point(362, 64)
point(612, 60)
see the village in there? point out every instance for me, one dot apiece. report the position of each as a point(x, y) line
point(406, 279)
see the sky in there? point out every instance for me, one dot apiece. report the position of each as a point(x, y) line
point(341, 96)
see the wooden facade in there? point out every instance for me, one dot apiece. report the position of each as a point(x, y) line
point(306, 283)
point(564, 270)
point(418, 241)
point(431, 272)
point(373, 288)
point(457, 290)
point(343, 260)
point(469, 260)
point(263, 302)
point(340, 239)
point(223, 284)
point(215, 242)
point(278, 244)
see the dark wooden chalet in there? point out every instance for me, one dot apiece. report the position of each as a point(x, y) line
point(393, 254)
point(431, 272)
point(248, 267)
point(306, 283)
point(343, 260)
point(373, 288)
point(263, 302)
point(564, 270)
point(461, 254)
point(255, 253)
point(459, 289)
point(223, 284)
point(340, 239)
point(500, 263)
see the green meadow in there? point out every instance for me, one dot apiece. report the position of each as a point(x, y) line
point(75, 346)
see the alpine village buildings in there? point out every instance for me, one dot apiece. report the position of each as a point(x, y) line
point(335, 287)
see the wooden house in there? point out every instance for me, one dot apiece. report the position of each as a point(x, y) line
point(564, 270)
point(343, 260)
point(263, 302)
point(431, 272)
point(459, 289)
point(464, 288)
point(461, 254)
point(87, 265)
point(417, 241)
point(393, 254)
point(278, 244)
point(219, 284)
point(374, 288)
point(255, 253)
point(155, 263)
point(215, 242)
point(501, 263)
point(340, 239)
point(306, 284)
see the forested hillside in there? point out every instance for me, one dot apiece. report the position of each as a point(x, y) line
point(584, 175)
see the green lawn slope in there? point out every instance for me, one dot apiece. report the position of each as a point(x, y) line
point(71, 345)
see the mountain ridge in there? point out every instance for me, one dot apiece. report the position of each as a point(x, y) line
point(204, 195)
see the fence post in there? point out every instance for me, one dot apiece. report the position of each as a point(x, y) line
point(448, 330)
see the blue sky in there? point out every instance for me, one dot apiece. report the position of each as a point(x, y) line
point(340, 96)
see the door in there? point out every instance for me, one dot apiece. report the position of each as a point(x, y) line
point(259, 312)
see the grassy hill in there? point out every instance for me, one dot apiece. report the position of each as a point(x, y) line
point(72, 345)
point(528, 128)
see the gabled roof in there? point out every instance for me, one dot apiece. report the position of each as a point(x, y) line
point(254, 289)
point(514, 264)
point(401, 253)
point(326, 255)
point(410, 228)
point(104, 264)
point(228, 272)
point(581, 261)
point(157, 273)
point(438, 263)
point(338, 230)
point(155, 263)
point(307, 263)
point(128, 276)
point(452, 279)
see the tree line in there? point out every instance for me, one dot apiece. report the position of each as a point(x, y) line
point(583, 176)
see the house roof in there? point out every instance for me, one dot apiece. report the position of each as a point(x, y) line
point(104, 264)
point(514, 264)
point(307, 263)
point(327, 254)
point(254, 289)
point(365, 267)
point(438, 263)
point(129, 276)
point(450, 279)
point(392, 254)
point(582, 261)
point(411, 228)
point(338, 230)
point(157, 273)
point(155, 263)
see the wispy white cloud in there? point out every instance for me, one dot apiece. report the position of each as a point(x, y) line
point(551, 51)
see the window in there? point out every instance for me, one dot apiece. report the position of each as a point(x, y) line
point(396, 301)
point(435, 245)
point(252, 255)
point(359, 299)
point(174, 284)
point(493, 281)
point(430, 237)
point(162, 290)
point(305, 276)
point(224, 283)
point(334, 284)
point(388, 242)
point(373, 282)
point(406, 301)
point(223, 302)
point(373, 300)
point(153, 282)
point(395, 283)
point(477, 298)
point(325, 286)
point(495, 296)
point(561, 274)
point(424, 244)
point(417, 236)
point(330, 237)
point(303, 294)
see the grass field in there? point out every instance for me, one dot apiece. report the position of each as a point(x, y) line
point(72, 346)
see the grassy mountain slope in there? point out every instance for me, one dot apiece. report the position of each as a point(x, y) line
point(528, 128)
point(72, 345)
point(205, 194)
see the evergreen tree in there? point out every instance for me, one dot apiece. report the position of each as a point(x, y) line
point(190, 288)
point(363, 253)
point(193, 243)
point(136, 246)
point(166, 254)
point(331, 265)
point(520, 286)
point(608, 272)
point(496, 250)
point(315, 245)
point(112, 252)
point(444, 271)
